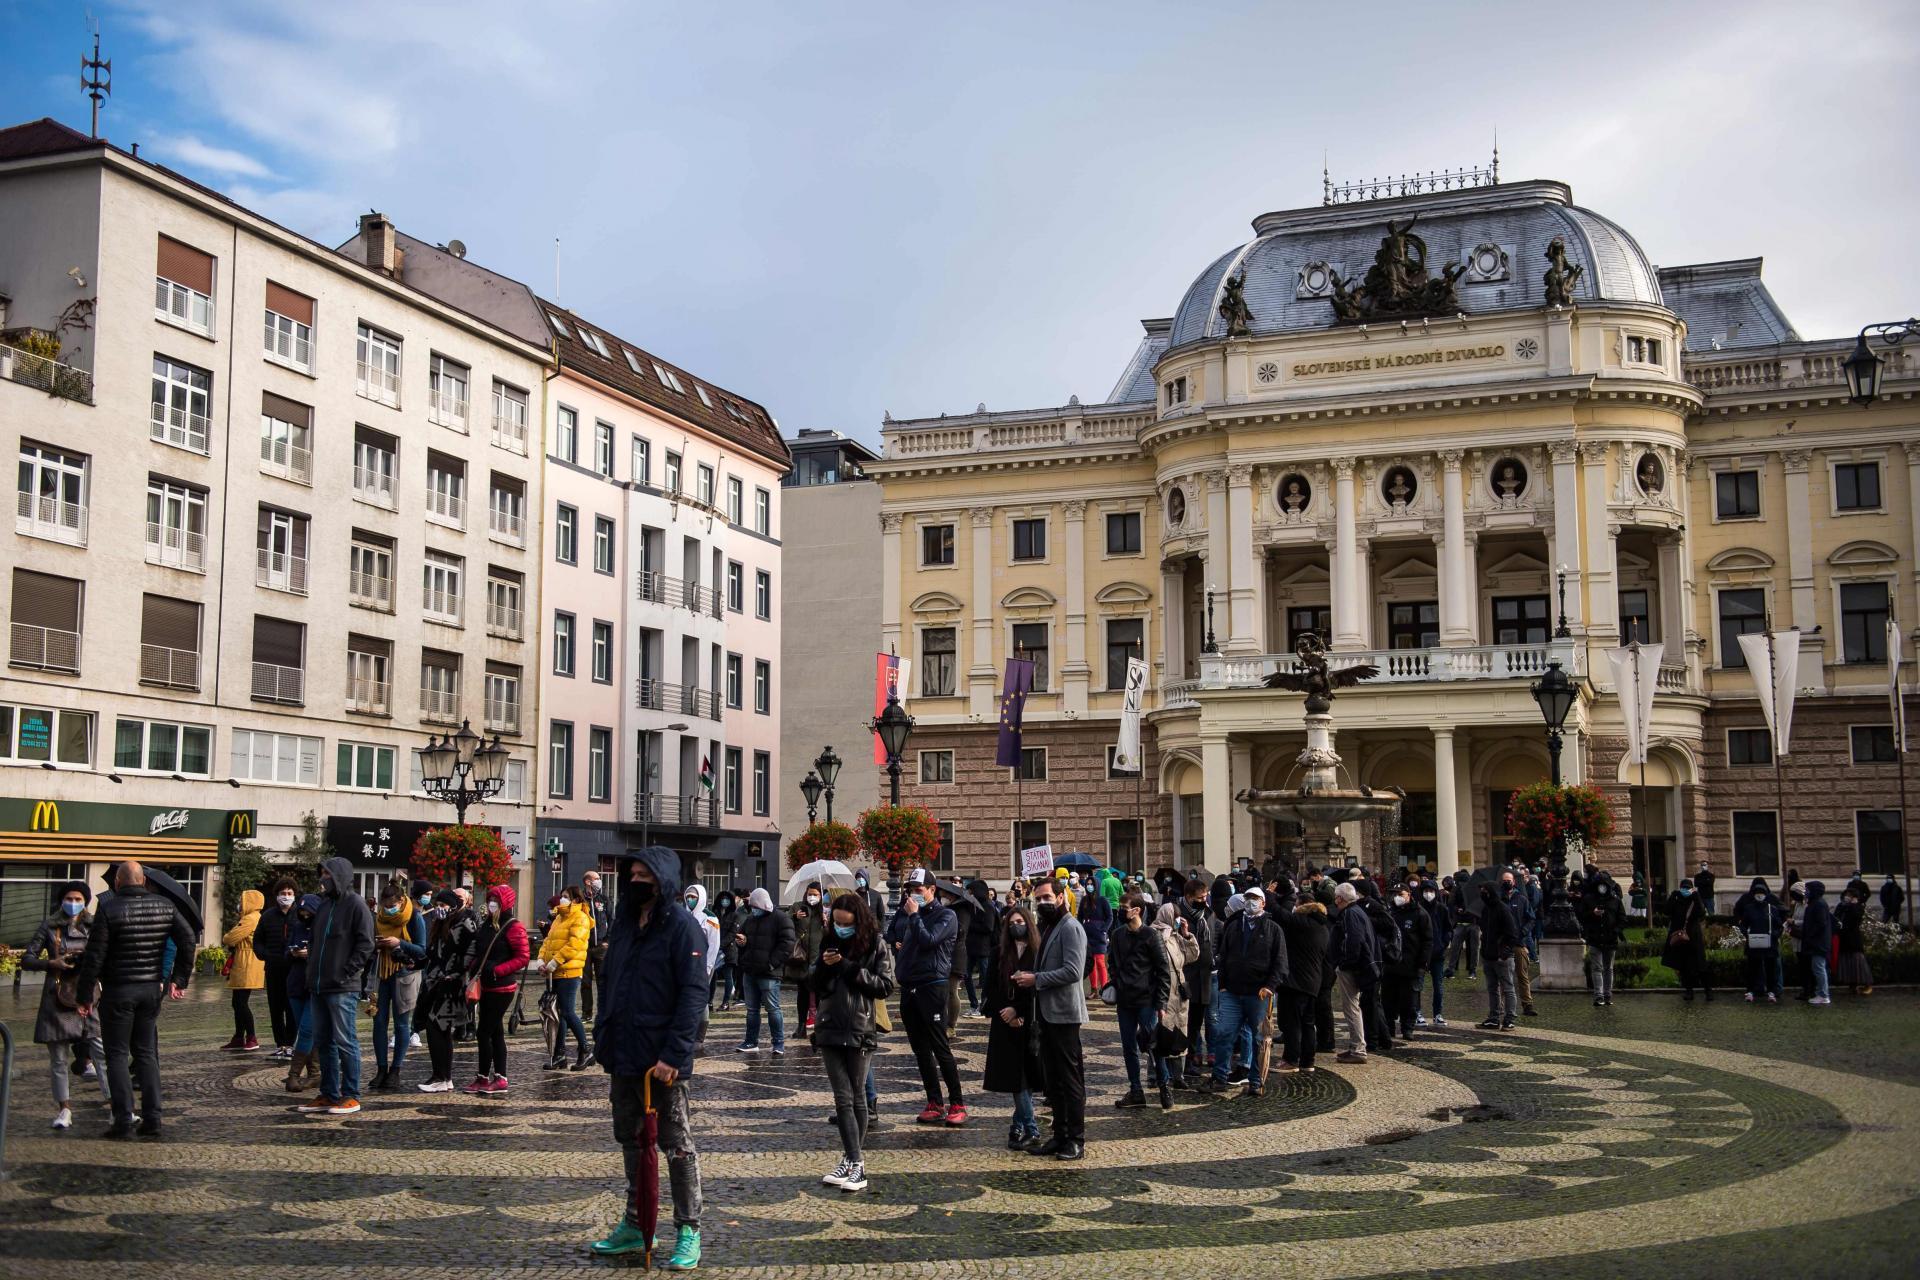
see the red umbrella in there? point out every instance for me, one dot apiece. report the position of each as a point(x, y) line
point(646, 1189)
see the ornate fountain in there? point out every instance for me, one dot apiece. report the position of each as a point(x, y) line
point(1314, 796)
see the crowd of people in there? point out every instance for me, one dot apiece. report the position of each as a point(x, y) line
point(1206, 976)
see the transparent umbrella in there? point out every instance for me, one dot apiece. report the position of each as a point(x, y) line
point(827, 873)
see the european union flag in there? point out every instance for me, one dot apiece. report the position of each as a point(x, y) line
point(1013, 706)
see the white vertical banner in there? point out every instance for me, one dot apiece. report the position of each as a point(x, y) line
point(1126, 754)
point(1893, 685)
point(1635, 675)
point(1774, 663)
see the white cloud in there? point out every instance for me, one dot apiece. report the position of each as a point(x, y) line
point(194, 153)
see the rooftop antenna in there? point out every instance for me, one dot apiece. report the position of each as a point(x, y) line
point(98, 87)
point(556, 268)
point(1496, 155)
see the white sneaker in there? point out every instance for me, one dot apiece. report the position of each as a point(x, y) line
point(64, 1120)
point(88, 1073)
point(1419, 1019)
point(414, 1042)
point(1439, 1021)
point(838, 1178)
point(1820, 1000)
point(437, 1086)
point(856, 1179)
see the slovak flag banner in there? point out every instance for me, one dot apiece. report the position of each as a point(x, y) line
point(1013, 708)
point(889, 679)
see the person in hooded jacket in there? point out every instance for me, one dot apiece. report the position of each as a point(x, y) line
point(726, 972)
point(1849, 920)
point(270, 946)
point(982, 925)
point(1170, 1039)
point(1305, 927)
point(337, 960)
point(1096, 921)
point(1891, 896)
point(246, 972)
point(1141, 982)
point(1439, 908)
point(501, 951)
point(652, 1001)
point(303, 1070)
point(1603, 919)
point(765, 940)
point(451, 931)
point(809, 932)
point(852, 976)
point(1759, 915)
point(1373, 1000)
point(1816, 940)
point(563, 953)
point(55, 950)
point(1202, 985)
point(1401, 995)
point(1500, 943)
point(1685, 951)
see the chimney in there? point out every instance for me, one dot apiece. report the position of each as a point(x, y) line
point(382, 249)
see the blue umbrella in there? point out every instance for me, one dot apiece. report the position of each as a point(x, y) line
point(1075, 861)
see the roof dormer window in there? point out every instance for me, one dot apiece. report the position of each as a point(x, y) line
point(592, 339)
point(667, 379)
point(559, 325)
point(633, 362)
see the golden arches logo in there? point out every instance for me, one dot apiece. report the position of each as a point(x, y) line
point(240, 824)
point(46, 816)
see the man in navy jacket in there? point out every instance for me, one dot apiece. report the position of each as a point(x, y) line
point(922, 934)
point(653, 994)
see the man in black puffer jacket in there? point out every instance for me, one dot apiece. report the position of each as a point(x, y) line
point(1253, 968)
point(270, 944)
point(1305, 927)
point(124, 955)
point(765, 939)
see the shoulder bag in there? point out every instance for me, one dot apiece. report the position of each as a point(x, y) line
point(473, 983)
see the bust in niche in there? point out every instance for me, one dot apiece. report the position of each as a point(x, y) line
point(1399, 488)
point(1176, 508)
point(1295, 494)
point(1649, 475)
point(1509, 480)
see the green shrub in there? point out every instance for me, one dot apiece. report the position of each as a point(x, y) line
point(209, 959)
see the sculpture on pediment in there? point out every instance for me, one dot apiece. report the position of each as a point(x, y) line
point(1233, 306)
point(1398, 285)
point(1561, 275)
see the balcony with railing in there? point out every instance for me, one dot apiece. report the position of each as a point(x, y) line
point(510, 430)
point(447, 507)
point(40, 648)
point(41, 516)
point(1068, 427)
point(676, 811)
point(376, 383)
point(368, 696)
point(677, 699)
point(370, 590)
point(41, 373)
point(1788, 367)
point(180, 427)
point(448, 409)
point(440, 705)
point(176, 548)
point(285, 459)
point(676, 593)
point(280, 570)
point(370, 484)
point(442, 605)
point(169, 668)
point(501, 715)
point(1403, 666)
point(507, 525)
point(284, 685)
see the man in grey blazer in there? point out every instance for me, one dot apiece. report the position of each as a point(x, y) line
point(1060, 1009)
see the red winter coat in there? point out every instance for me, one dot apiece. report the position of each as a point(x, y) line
point(508, 956)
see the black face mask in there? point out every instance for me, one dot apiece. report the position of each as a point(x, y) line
point(643, 891)
point(1050, 911)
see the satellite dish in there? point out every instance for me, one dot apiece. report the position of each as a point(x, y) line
point(457, 248)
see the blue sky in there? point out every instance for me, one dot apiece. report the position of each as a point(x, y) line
point(843, 209)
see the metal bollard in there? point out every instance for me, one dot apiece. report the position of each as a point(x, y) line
point(6, 1092)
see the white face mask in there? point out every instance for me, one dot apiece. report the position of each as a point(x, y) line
point(493, 908)
point(285, 900)
point(1400, 900)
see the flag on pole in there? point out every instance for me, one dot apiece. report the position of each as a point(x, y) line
point(1773, 660)
point(1893, 685)
point(1126, 754)
point(1635, 672)
point(889, 677)
point(706, 774)
point(1013, 707)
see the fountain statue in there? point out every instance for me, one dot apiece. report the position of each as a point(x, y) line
point(1319, 803)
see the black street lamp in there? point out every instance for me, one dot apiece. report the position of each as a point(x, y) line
point(463, 769)
point(1555, 695)
point(811, 787)
point(1863, 367)
point(1561, 631)
point(894, 726)
point(827, 765)
point(1210, 646)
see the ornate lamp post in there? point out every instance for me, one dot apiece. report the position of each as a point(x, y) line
point(894, 726)
point(1555, 694)
point(1210, 646)
point(463, 769)
point(1863, 367)
point(1561, 631)
point(811, 787)
point(827, 765)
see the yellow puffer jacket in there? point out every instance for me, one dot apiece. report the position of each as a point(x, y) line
point(249, 971)
point(567, 941)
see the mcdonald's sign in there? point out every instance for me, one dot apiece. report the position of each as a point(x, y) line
point(240, 823)
point(46, 816)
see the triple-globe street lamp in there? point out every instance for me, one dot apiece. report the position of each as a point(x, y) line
point(1555, 694)
point(463, 769)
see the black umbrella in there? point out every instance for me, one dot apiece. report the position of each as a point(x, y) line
point(165, 885)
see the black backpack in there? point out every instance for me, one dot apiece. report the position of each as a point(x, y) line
point(1387, 929)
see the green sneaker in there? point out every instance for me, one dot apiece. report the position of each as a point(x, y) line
point(624, 1238)
point(686, 1251)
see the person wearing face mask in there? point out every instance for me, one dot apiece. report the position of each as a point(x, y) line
point(270, 947)
point(1499, 944)
point(726, 971)
point(246, 973)
point(1137, 964)
point(55, 950)
point(407, 990)
point(451, 932)
point(1013, 1040)
point(598, 908)
point(694, 899)
point(1603, 918)
point(1400, 994)
point(564, 955)
point(1686, 948)
point(1059, 1010)
point(1439, 909)
point(923, 935)
point(303, 1070)
point(337, 960)
point(503, 950)
point(851, 978)
point(1353, 949)
point(1253, 967)
point(809, 933)
point(400, 943)
point(765, 939)
point(1759, 915)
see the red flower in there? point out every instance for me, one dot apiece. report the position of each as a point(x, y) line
point(900, 837)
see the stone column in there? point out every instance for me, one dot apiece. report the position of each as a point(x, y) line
point(1347, 601)
point(1173, 622)
point(1363, 589)
point(1216, 799)
point(1456, 568)
point(1242, 636)
point(1673, 626)
point(1219, 562)
point(1075, 673)
point(1799, 541)
point(983, 686)
point(892, 624)
point(1240, 777)
point(1602, 605)
point(1566, 527)
point(1446, 812)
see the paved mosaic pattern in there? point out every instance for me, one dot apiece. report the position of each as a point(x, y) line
point(1648, 1139)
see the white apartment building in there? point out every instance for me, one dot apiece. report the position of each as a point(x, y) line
point(660, 595)
point(277, 522)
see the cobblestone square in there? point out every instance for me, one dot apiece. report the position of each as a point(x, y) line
point(1654, 1138)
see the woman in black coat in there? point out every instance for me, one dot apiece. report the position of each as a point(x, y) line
point(1848, 919)
point(1013, 1042)
point(1686, 949)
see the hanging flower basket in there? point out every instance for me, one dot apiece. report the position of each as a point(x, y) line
point(1541, 812)
point(823, 842)
point(441, 853)
point(900, 836)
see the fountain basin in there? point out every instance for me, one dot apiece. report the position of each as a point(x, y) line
point(1317, 810)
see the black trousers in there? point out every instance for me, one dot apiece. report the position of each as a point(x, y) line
point(493, 1031)
point(924, 1011)
point(1296, 1012)
point(130, 1028)
point(1397, 995)
point(243, 1011)
point(279, 1015)
point(1065, 1069)
point(1323, 1020)
point(1196, 1029)
point(439, 1051)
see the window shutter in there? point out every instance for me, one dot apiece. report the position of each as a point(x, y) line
point(286, 410)
point(294, 306)
point(43, 600)
point(374, 645)
point(170, 623)
point(277, 641)
point(184, 264)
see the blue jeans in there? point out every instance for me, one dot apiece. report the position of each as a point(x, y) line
point(1023, 1112)
point(566, 994)
point(1239, 1016)
point(300, 1009)
point(387, 1012)
point(764, 992)
point(1436, 969)
point(336, 1043)
point(1819, 962)
point(873, 1094)
point(1136, 1030)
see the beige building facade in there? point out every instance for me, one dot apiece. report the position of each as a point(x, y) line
point(1460, 453)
